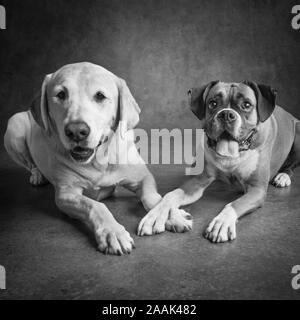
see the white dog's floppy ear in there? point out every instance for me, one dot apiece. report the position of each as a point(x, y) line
point(39, 106)
point(128, 109)
point(197, 97)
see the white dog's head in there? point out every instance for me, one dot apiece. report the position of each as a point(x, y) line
point(82, 103)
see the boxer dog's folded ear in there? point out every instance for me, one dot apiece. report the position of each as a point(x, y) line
point(265, 96)
point(197, 98)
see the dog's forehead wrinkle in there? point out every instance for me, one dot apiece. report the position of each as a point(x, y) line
point(216, 96)
point(233, 91)
point(222, 89)
point(219, 93)
point(246, 93)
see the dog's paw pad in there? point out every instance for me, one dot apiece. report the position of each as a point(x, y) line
point(179, 221)
point(36, 178)
point(281, 180)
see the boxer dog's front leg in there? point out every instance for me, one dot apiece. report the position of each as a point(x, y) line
point(111, 237)
point(167, 215)
point(223, 227)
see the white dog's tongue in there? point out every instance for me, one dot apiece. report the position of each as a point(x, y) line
point(228, 148)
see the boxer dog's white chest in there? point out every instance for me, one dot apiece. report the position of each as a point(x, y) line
point(248, 164)
point(240, 168)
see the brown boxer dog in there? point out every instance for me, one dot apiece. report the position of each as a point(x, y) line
point(249, 141)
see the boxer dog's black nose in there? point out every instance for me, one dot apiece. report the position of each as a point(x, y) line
point(227, 116)
point(77, 131)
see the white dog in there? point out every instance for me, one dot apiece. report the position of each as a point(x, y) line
point(66, 138)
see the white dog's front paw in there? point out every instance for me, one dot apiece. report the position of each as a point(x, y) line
point(179, 221)
point(114, 240)
point(36, 178)
point(223, 226)
point(281, 180)
point(160, 219)
point(153, 222)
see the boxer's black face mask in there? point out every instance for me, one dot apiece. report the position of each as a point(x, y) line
point(231, 113)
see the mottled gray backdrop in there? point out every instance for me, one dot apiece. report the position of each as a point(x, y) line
point(161, 48)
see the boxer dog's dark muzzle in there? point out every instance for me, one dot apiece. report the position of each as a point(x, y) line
point(226, 135)
point(227, 140)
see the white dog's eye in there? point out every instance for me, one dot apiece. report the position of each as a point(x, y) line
point(99, 96)
point(61, 95)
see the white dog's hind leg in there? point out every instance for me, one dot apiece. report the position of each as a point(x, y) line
point(16, 146)
point(281, 180)
point(36, 178)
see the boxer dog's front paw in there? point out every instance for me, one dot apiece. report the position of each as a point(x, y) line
point(114, 240)
point(179, 221)
point(36, 178)
point(281, 180)
point(223, 226)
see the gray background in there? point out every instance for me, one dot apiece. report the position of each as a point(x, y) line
point(161, 48)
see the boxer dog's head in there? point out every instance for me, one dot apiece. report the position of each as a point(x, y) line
point(231, 113)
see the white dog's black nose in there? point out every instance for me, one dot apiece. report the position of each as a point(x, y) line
point(227, 115)
point(77, 131)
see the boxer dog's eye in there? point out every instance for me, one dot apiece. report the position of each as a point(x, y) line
point(246, 105)
point(99, 96)
point(212, 104)
point(61, 95)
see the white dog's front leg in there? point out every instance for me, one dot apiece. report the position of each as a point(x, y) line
point(146, 190)
point(165, 216)
point(111, 237)
point(148, 193)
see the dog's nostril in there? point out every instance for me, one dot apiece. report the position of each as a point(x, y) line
point(68, 133)
point(83, 132)
point(231, 116)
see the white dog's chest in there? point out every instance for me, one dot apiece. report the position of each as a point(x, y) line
point(95, 179)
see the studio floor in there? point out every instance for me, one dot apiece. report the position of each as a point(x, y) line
point(50, 256)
